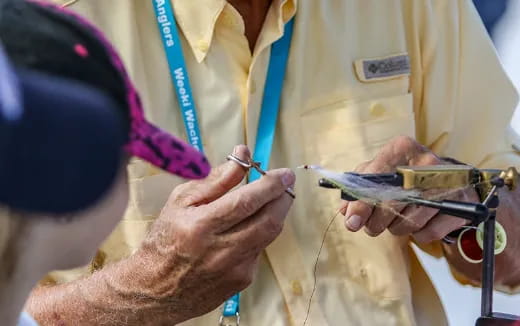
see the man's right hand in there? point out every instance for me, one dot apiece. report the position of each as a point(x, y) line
point(206, 243)
point(202, 249)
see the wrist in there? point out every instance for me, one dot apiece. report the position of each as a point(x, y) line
point(114, 295)
point(148, 286)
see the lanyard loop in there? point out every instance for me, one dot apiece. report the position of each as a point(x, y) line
point(268, 116)
point(231, 312)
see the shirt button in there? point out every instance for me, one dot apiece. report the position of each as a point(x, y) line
point(203, 46)
point(297, 288)
point(377, 110)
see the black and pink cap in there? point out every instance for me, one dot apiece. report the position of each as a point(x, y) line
point(48, 38)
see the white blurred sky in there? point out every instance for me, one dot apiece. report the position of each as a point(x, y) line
point(462, 304)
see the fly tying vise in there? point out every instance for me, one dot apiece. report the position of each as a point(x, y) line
point(407, 184)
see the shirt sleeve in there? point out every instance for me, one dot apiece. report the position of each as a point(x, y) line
point(463, 99)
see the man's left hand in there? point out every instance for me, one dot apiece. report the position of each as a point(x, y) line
point(424, 224)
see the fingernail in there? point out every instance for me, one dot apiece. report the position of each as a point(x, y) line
point(354, 223)
point(288, 178)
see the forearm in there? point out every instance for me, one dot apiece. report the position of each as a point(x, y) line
point(507, 268)
point(115, 295)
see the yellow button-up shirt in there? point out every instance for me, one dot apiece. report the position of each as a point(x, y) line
point(457, 100)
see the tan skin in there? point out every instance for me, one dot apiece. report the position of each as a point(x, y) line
point(424, 224)
point(160, 284)
point(253, 13)
point(205, 244)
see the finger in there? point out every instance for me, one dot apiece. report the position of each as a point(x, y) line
point(362, 167)
point(402, 150)
point(382, 217)
point(439, 227)
point(220, 181)
point(230, 277)
point(344, 207)
point(229, 268)
point(395, 153)
point(236, 206)
point(359, 169)
point(242, 275)
point(357, 215)
point(254, 234)
point(412, 219)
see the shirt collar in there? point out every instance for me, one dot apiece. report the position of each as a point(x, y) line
point(197, 20)
point(279, 14)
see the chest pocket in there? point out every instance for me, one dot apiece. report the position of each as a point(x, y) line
point(339, 136)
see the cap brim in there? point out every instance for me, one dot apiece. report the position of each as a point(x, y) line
point(65, 151)
point(167, 152)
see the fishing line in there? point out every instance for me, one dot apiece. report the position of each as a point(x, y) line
point(373, 194)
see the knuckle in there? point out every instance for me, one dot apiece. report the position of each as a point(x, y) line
point(427, 236)
point(182, 195)
point(372, 232)
point(374, 229)
point(402, 227)
point(246, 204)
point(273, 225)
point(397, 231)
point(180, 190)
point(241, 279)
point(213, 267)
point(403, 145)
point(247, 279)
point(186, 232)
point(197, 229)
point(362, 167)
point(360, 208)
point(429, 159)
point(403, 141)
point(275, 184)
point(190, 229)
point(422, 238)
point(435, 235)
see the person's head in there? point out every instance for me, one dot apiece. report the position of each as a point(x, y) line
point(50, 40)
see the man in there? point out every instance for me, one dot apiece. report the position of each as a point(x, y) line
point(359, 74)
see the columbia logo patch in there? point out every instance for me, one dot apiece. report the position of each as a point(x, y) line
point(383, 68)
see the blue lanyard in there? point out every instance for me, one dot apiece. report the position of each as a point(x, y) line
point(179, 73)
point(271, 100)
point(270, 103)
